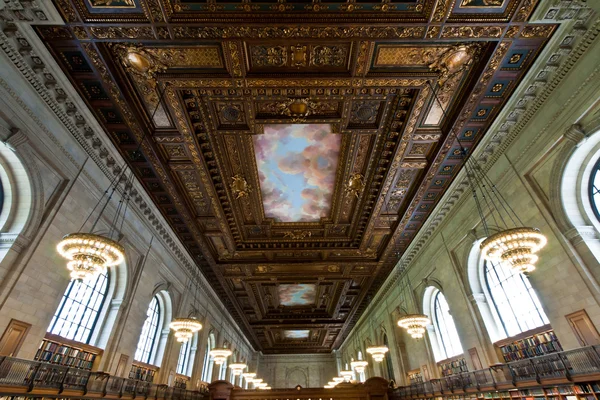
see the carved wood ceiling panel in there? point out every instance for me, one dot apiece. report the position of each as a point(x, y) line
point(198, 92)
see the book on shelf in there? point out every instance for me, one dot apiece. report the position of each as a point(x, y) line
point(141, 373)
point(532, 346)
point(65, 354)
point(454, 366)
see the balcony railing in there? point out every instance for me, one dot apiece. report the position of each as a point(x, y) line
point(572, 365)
point(23, 376)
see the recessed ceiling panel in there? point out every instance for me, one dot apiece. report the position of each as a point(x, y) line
point(296, 334)
point(296, 166)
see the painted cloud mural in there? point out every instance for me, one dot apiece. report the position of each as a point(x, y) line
point(296, 166)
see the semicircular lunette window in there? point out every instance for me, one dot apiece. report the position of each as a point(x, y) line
point(595, 189)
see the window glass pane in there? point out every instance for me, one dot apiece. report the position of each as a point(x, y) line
point(515, 302)
point(79, 309)
point(184, 355)
point(446, 330)
point(149, 335)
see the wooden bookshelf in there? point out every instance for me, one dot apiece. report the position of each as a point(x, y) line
point(533, 343)
point(580, 391)
point(454, 365)
point(142, 372)
point(181, 381)
point(58, 350)
point(415, 376)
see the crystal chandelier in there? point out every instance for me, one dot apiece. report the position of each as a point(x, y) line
point(185, 328)
point(359, 366)
point(514, 247)
point(220, 355)
point(414, 324)
point(338, 379)
point(249, 376)
point(89, 254)
point(237, 368)
point(347, 374)
point(377, 352)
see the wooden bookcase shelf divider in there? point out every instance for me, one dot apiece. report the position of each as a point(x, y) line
point(533, 343)
point(415, 376)
point(142, 372)
point(579, 391)
point(58, 350)
point(181, 381)
point(454, 365)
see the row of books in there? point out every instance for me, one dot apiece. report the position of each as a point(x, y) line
point(415, 377)
point(57, 353)
point(141, 373)
point(533, 346)
point(454, 367)
point(180, 383)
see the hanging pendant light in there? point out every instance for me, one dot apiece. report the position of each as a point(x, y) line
point(415, 324)
point(514, 247)
point(185, 327)
point(220, 355)
point(249, 376)
point(347, 374)
point(338, 379)
point(359, 366)
point(89, 254)
point(377, 352)
point(237, 368)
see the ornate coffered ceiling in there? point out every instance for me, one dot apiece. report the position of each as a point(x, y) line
point(295, 159)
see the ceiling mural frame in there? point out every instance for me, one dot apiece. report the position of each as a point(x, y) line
point(213, 202)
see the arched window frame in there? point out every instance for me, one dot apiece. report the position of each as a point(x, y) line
point(207, 365)
point(443, 334)
point(150, 334)
point(162, 329)
point(88, 298)
point(184, 358)
point(389, 367)
point(539, 317)
point(483, 296)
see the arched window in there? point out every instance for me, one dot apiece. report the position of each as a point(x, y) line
point(150, 332)
point(515, 304)
point(224, 366)
point(79, 309)
point(184, 358)
point(594, 189)
point(389, 368)
point(442, 333)
point(444, 324)
point(207, 365)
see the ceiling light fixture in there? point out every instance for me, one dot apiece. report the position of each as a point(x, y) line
point(184, 328)
point(237, 368)
point(249, 376)
point(359, 366)
point(347, 374)
point(220, 355)
point(377, 352)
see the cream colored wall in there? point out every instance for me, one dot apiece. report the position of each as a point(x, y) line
point(526, 161)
